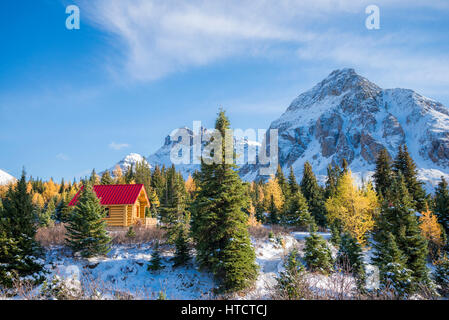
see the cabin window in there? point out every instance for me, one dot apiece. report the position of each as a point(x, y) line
point(108, 214)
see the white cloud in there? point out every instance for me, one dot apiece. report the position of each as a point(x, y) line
point(156, 38)
point(118, 146)
point(63, 157)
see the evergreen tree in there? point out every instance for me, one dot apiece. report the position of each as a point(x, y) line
point(296, 212)
point(442, 275)
point(383, 176)
point(156, 260)
point(333, 175)
point(106, 178)
point(93, 179)
point(291, 281)
point(173, 204)
point(441, 204)
point(293, 186)
point(46, 216)
point(282, 181)
point(398, 218)
point(350, 252)
point(129, 175)
point(335, 234)
point(405, 165)
point(18, 249)
point(219, 224)
point(19, 252)
point(392, 263)
point(182, 252)
point(314, 195)
point(317, 254)
point(86, 231)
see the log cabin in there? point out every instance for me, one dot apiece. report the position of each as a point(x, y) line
point(124, 204)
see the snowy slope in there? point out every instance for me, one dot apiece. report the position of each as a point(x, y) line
point(6, 178)
point(130, 160)
point(347, 116)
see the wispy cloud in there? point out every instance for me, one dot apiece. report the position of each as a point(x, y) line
point(63, 157)
point(118, 146)
point(156, 38)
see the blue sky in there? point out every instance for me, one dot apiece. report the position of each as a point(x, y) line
point(73, 100)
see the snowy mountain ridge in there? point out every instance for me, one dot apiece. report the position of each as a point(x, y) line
point(6, 178)
point(346, 116)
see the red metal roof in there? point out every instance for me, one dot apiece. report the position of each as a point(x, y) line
point(114, 194)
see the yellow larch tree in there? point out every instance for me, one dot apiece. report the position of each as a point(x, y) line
point(273, 191)
point(118, 175)
point(353, 208)
point(38, 200)
point(50, 190)
point(190, 185)
point(432, 231)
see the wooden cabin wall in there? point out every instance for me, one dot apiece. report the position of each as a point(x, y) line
point(116, 214)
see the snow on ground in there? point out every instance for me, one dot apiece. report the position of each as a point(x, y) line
point(124, 272)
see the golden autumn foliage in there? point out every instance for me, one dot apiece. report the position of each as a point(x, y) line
point(50, 190)
point(354, 208)
point(252, 220)
point(190, 185)
point(430, 228)
point(38, 200)
point(273, 191)
point(118, 175)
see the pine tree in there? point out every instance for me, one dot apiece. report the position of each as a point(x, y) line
point(317, 254)
point(398, 218)
point(442, 275)
point(293, 186)
point(441, 207)
point(314, 195)
point(46, 216)
point(173, 205)
point(296, 211)
point(106, 178)
point(405, 165)
point(182, 252)
point(333, 175)
point(350, 252)
point(291, 281)
point(19, 252)
point(219, 223)
point(129, 175)
point(383, 176)
point(156, 260)
point(86, 231)
point(392, 263)
point(282, 181)
point(94, 179)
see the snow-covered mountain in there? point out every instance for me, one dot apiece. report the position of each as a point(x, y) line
point(347, 116)
point(130, 160)
point(6, 178)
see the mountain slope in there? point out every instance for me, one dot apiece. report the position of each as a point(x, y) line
point(347, 116)
point(6, 178)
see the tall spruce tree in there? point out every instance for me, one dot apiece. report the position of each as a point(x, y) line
point(441, 204)
point(383, 175)
point(219, 223)
point(106, 178)
point(333, 175)
point(19, 251)
point(405, 165)
point(293, 186)
point(392, 263)
point(280, 177)
point(314, 195)
point(86, 233)
point(296, 212)
point(317, 254)
point(398, 218)
point(350, 255)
